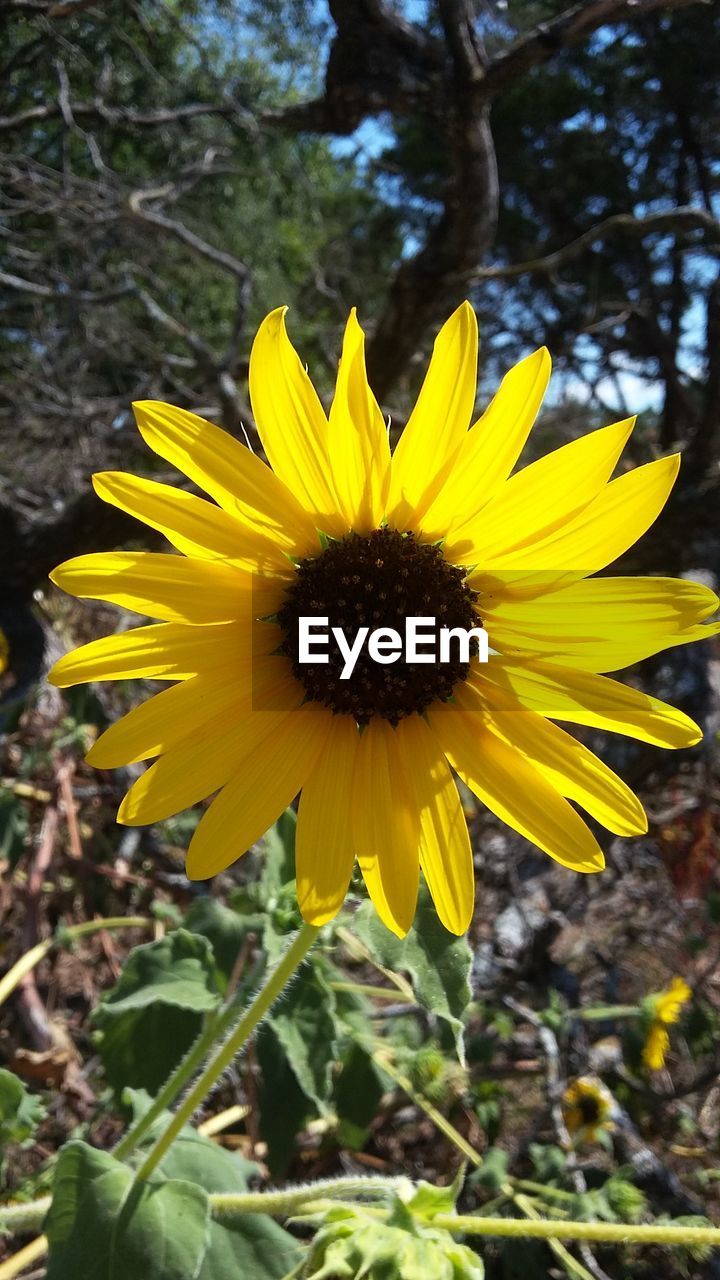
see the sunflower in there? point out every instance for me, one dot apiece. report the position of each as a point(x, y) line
point(587, 1107)
point(334, 527)
point(663, 1009)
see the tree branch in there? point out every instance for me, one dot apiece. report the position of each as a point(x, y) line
point(685, 218)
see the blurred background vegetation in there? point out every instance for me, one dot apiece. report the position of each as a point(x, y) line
point(171, 171)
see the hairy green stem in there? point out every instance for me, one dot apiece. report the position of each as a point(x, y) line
point(282, 1204)
point(539, 1189)
point(365, 989)
point(216, 1025)
point(592, 1232)
point(228, 1050)
point(606, 1012)
point(224, 1206)
point(24, 1217)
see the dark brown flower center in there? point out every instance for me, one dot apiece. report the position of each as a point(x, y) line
point(378, 580)
point(589, 1107)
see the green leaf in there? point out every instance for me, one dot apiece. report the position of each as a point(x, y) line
point(191, 1157)
point(149, 1019)
point(549, 1161)
point(20, 1111)
point(176, 970)
point(427, 1201)
point(284, 1108)
point(13, 826)
point(358, 1090)
point(303, 1023)
point(278, 857)
point(102, 1227)
point(252, 1246)
point(493, 1172)
point(437, 963)
point(225, 930)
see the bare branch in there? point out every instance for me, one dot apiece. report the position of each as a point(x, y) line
point(136, 205)
point(681, 219)
point(99, 110)
point(569, 28)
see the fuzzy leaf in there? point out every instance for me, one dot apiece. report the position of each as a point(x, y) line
point(437, 963)
point(252, 1246)
point(154, 1012)
point(101, 1227)
point(20, 1111)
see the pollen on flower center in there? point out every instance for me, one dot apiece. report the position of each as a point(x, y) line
point(377, 580)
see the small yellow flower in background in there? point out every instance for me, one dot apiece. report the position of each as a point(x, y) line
point(4, 652)
point(664, 1009)
point(587, 1108)
point(334, 526)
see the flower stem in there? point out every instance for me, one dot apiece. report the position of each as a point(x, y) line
point(607, 1012)
point(592, 1232)
point(24, 1217)
point(228, 1050)
point(281, 1204)
point(540, 1189)
point(192, 1062)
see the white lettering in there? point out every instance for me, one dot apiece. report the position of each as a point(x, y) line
point(305, 640)
point(385, 645)
point(413, 637)
point(350, 653)
point(464, 639)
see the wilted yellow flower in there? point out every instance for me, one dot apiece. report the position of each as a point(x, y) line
point(336, 528)
point(587, 1108)
point(665, 1009)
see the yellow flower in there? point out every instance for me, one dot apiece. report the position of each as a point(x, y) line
point(335, 527)
point(4, 652)
point(665, 1009)
point(587, 1108)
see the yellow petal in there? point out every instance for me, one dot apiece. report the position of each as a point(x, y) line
point(603, 624)
point(173, 588)
point(514, 790)
point(541, 498)
point(386, 824)
point(656, 1047)
point(670, 1003)
point(196, 527)
point(324, 849)
point(621, 513)
point(162, 722)
point(291, 422)
point(436, 427)
point(262, 787)
point(167, 651)
point(239, 481)
point(580, 697)
point(358, 442)
point(181, 711)
point(445, 853)
point(207, 758)
point(491, 448)
point(568, 766)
